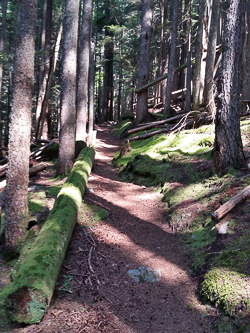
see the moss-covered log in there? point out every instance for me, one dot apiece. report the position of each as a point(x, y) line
point(29, 295)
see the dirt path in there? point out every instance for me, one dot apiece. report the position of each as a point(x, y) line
point(135, 234)
point(138, 236)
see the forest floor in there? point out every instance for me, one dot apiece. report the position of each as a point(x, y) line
point(94, 292)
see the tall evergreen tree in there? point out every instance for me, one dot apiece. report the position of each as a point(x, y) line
point(228, 149)
point(17, 212)
point(68, 86)
point(2, 47)
point(83, 70)
point(144, 61)
point(172, 55)
point(197, 80)
point(211, 53)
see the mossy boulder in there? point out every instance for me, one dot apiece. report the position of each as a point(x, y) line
point(227, 289)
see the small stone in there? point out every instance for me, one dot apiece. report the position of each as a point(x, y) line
point(223, 228)
point(90, 190)
point(145, 274)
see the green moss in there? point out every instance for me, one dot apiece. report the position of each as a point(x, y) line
point(227, 289)
point(38, 272)
point(200, 238)
point(90, 215)
point(53, 191)
point(121, 126)
point(37, 201)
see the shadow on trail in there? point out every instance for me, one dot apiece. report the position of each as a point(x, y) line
point(167, 306)
point(114, 302)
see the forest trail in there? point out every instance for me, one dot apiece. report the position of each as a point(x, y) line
point(136, 233)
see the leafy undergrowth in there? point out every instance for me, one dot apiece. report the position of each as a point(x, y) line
point(180, 167)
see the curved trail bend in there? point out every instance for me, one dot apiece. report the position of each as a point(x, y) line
point(136, 234)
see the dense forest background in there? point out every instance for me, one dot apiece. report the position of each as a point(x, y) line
point(68, 65)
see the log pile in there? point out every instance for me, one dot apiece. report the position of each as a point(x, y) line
point(30, 293)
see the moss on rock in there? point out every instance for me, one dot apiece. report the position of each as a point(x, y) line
point(227, 289)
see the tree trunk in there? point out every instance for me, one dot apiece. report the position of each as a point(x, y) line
point(189, 67)
point(17, 212)
point(107, 94)
point(68, 94)
point(29, 295)
point(246, 67)
point(83, 71)
point(143, 74)
point(166, 48)
point(210, 62)
point(2, 45)
point(228, 150)
point(44, 66)
point(172, 56)
point(49, 83)
point(91, 91)
point(197, 82)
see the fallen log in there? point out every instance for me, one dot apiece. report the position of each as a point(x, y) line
point(154, 124)
point(230, 204)
point(28, 296)
point(37, 168)
point(171, 129)
point(160, 122)
point(149, 135)
point(32, 171)
point(37, 152)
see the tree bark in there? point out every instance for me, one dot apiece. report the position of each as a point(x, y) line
point(161, 78)
point(108, 81)
point(30, 293)
point(91, 92)
point(172, 56)
point(228, 149)
point(68, 94)
point(83, 71)
point(198, 58)
point(143, 74)
point(49, 83)
point(246, 67)
point(189, 64)
point(44, 69)
point(210, 61)
point(17, 212)
point(2, 46)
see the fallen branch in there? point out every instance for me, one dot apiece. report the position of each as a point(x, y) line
point(37, 152)
point(182, 118)
point(149, 135)
point(89, 260)
point(28, 296)
point(37, 168)
point(230, 204)
point(32, 171)
point(155, 123)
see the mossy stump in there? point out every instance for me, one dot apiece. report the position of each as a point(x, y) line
point(30, 293)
